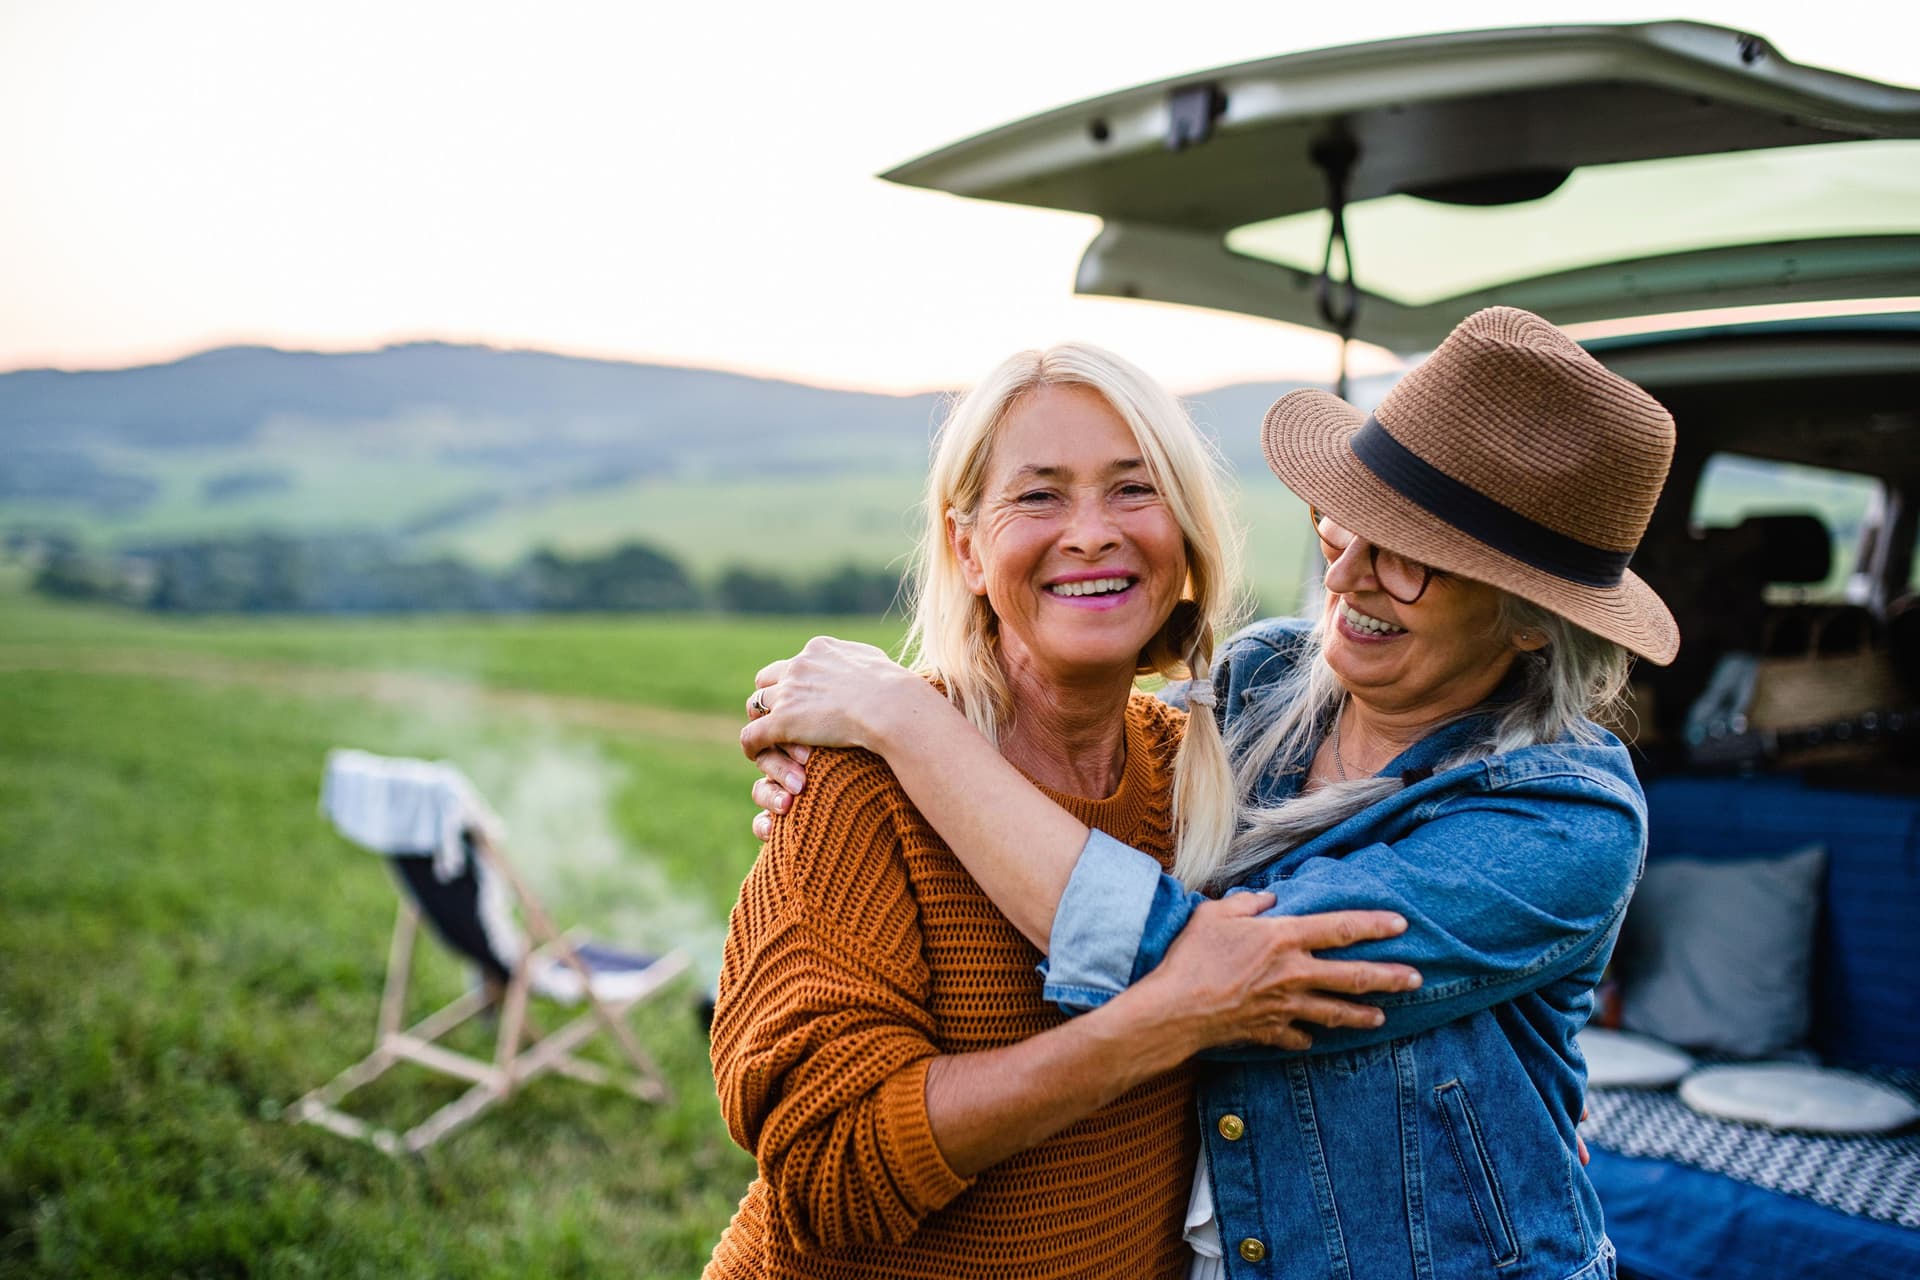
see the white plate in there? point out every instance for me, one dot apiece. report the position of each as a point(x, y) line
point(1786, 1095)
point(1623, 1060)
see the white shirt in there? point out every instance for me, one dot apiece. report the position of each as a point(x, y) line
point(1203, 1229)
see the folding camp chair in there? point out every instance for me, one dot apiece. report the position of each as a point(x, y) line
point(446, 849)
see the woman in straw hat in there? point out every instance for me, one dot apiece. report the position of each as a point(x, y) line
point(1426, 745)
point(879, 1041)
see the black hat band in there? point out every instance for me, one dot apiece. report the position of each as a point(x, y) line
point(1482, 518)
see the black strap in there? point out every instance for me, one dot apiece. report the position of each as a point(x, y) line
point(1335, 157)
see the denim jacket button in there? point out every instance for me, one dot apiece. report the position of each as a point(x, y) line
point(1232, 1127)
point(1252, 1250)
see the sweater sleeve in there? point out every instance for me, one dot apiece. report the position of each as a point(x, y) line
point(821, 1035)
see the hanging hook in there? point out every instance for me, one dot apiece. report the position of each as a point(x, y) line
point(1335, 157)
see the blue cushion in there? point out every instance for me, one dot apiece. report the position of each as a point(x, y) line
point(1866, 1004)
point(1671, 1222)
point(1718, 954)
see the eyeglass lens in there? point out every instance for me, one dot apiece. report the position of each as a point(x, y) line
point(1403, 579)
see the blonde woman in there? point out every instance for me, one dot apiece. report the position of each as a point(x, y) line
point(880, 1042)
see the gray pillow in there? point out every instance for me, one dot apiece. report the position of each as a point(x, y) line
point(1718, 955)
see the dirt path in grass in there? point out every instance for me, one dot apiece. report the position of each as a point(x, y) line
point(398, 688)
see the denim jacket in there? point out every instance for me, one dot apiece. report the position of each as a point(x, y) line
point(1441, 1144)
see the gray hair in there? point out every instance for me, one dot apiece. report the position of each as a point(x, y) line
point(1574, 679)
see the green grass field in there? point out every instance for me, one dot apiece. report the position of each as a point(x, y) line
point(185, 947)
point(713, 523)
point(689, 663)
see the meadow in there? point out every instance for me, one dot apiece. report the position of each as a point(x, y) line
point(186, 947)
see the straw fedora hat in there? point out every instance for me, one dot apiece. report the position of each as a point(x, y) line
point(1510, 456)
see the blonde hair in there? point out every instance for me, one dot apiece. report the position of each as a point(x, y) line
point(955, 635)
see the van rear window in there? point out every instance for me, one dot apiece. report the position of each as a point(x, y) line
point(1734, 486)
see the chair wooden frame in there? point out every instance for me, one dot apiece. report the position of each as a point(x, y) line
point(521, 1053)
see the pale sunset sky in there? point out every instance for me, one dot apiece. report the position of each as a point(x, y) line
point(682, 183)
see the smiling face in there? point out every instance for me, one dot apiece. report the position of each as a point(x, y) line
point(1438, 656)
point(1071, 543)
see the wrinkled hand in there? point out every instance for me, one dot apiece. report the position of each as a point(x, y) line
point(833, 693)
point(1239, 976)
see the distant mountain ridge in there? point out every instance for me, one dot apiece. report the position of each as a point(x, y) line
point(224, 396)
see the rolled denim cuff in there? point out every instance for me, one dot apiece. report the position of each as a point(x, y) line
point(1098, 925)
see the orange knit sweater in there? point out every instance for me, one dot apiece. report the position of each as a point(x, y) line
point(859, 950)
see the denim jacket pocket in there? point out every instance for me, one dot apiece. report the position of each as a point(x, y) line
point(1476, 1169)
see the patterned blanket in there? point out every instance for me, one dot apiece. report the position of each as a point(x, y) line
point(1870, 1177)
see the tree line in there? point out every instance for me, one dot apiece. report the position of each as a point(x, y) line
point(278, 573)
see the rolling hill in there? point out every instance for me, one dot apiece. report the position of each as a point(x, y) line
point(490, 453)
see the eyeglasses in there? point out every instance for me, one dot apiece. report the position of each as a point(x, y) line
point(1402, 579)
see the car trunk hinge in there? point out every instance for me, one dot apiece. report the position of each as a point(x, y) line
point(1335, 158)
point(1190, 115)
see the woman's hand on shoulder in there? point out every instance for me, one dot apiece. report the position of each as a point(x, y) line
point(833, 693)
point(1238, 976)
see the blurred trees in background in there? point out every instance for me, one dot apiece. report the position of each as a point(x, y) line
point(848, 589)
point(360, 574)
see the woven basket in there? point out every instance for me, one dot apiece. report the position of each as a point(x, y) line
point(1804, 690)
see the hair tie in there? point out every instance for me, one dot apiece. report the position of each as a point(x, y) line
point(1200, 689)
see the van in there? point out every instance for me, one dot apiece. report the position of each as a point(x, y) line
point(1740, 235)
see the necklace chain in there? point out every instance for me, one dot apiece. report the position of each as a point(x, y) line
point(1339, 762)
point(1339, 765)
